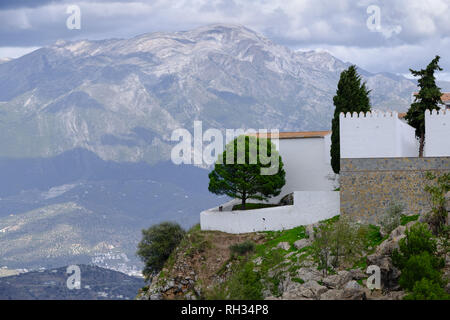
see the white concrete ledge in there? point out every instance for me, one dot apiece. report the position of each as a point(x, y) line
point(309, 207)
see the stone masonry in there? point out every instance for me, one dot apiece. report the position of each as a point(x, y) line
point(368, 186)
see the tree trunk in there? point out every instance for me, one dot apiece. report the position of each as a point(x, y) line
point(422, 143)
point(243, 202)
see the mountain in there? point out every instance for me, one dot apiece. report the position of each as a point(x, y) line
point(85, 131)
point(123, 98)
point(95, 284)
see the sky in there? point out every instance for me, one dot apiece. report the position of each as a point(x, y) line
point(377, 35)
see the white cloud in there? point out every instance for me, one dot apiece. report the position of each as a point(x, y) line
point(411, 31)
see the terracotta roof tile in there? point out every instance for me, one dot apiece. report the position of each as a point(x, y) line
point(299, 135)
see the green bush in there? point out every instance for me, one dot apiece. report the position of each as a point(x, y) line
point(157, 244)
point(426, 289)
point(418, 239)
point(242, 248)
point(246, 284)
point(418, 267)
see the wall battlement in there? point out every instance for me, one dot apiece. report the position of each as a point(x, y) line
point(369, 115)
point(437, 133)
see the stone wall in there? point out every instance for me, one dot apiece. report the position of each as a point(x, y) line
point(368, 186)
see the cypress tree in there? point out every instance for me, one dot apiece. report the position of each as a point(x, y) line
point(429, 97)
point(351, 96)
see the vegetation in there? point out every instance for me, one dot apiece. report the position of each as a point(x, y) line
point(351, 96)
point(341, 242)
point(157, 244)
point(419, 263)
point(426, 289)
point(249, 168)
point(437, 189)
point(242, 248)
point(429, 97)
point(392, 217)
point(404, 220)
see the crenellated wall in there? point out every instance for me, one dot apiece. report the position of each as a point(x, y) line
point(437, 133)
point(376, 135)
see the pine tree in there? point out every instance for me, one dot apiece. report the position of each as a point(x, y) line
point(351, 96)
point(244, 180)
point(429, 97)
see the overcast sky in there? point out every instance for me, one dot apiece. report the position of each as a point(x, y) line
point(409, 34)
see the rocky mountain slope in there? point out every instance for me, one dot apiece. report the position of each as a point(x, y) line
point(121, 99)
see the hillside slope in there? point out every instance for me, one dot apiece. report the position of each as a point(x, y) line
point(282, 265)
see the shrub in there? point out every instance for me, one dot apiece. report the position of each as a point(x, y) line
point(437, 189)
point(157, 244)
point(242, 248)
point(418, 267)
point(418, 239)
point(392, 217)
point(426, 289)
point(246, 284)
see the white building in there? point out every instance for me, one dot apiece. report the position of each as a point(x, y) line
point(306, 158)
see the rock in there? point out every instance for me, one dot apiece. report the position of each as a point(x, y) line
point(296, 291)
point(156, 296)
point(290, 254)
point(353, 285)
point(353, 294)
point(284, 246)
point(308, 274)
point(357, 274)
point(310, 231)
point(389, 274)
point(336, 281)
point(300, 244)
point(258, 261)
point(316, 288)
point(334, 294)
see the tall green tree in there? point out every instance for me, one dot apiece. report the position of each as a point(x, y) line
point(249, 168)
point(429, 97)
point(351, 96)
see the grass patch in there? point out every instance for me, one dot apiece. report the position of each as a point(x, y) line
point(251, 206)
point(299, 280)
point(242, 248)
point(404, 220)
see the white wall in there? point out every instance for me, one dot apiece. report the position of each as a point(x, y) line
point(307, 164)
point(437, 133)
point(309, 207)
point(376, 135)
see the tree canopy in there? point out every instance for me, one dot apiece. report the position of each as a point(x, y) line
point(249, 168)
point(351, 96)
point(428, 97)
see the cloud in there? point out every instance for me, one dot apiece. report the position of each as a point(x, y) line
point(410, 30)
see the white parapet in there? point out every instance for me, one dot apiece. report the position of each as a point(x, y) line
point(309, 207)
point(375, 135)
point(437, 133)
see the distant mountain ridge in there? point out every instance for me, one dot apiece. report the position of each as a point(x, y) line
point(95, 284)
point(121, 99)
